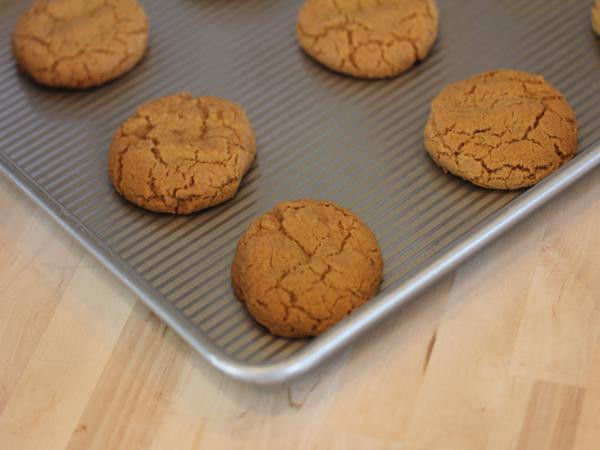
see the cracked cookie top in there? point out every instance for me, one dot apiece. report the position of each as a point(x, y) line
point(596, 17)
point(502, 129)
point(304, 266)
point(80, 43)
point(368, 38)
point(181, 154)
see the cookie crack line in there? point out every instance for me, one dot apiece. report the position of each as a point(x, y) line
point(350, 22)
point(294, 305)
point(104, 5)
point(290, 237)
point(279, 214)
point(456, 153)
point(395, 39)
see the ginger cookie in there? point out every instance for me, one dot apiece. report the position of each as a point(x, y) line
point(304, 266)
point(502, 129)
point(596, 17)
point(368, 38)
point(181, 154)
point(80, 43)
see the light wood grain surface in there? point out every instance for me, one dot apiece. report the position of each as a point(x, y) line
point(502, 354)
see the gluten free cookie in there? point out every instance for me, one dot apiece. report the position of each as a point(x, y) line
point(181, 154)
point(502, 129)
point(80, 43)
point(368, 38)
point(304, 266)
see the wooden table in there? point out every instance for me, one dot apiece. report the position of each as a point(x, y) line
point(502, 354)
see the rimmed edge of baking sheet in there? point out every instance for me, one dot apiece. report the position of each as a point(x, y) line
point(349, 329)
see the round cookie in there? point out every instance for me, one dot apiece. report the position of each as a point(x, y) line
point(181, 154)
point(304, 266)
point(502, 129)
point(368, 38)
point(80, 43)
point(596, 17)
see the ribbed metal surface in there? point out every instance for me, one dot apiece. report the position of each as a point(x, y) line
point(321, 135)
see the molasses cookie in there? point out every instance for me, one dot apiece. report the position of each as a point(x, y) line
point(80, 43)
point(304, 266)
point(181, 154)
point(368, 38)
point(502, 129)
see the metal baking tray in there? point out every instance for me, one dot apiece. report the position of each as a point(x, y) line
point(320, 135)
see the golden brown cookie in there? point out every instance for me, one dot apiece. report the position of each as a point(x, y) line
point(368, 38)
point(502, 129)
point(304, 266)
point(80, 43)
point(181, 154)
point(596, 17)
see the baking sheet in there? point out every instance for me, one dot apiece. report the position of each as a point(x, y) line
point(320, 135)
